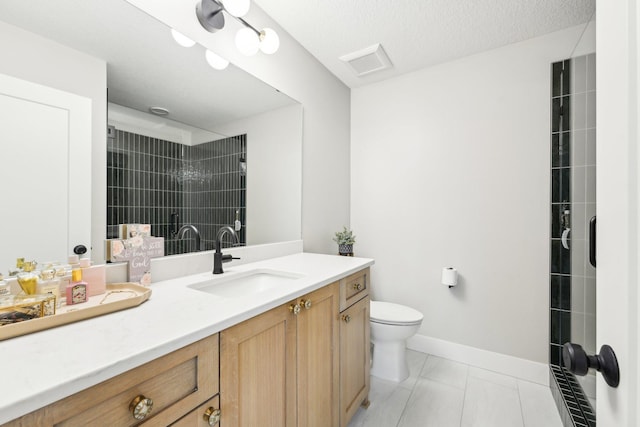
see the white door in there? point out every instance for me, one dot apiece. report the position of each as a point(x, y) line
point(45, 175)
point(618, 209)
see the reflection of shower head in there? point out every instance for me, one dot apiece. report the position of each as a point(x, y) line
point(565, 217)
point(243, 166)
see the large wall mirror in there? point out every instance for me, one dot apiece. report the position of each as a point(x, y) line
point(227, 153)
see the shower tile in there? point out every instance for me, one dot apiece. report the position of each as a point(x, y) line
point(556, 107)
point(576, 303)
point(560, 258)
point(561, 292)
point(556, 79)
point(591, 109)
point(591, 71)
point(590, 184)
point(578, 147)
point(566, 77)
point(577, 327)
point(560, 150)
point(565, 116)
point(578, 184)
point(591, 147)
point(578, 221)
point(578, 257)
point(590, 334)
point(560, 185)
point(579, 110)
point(590, 296)
point(579, 74)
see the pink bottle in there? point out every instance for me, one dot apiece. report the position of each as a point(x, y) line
point(95, 276)
point(77, 289)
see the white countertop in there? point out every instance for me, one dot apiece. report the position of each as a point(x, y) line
point(43, 367)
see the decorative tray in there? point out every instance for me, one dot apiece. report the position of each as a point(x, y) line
point(118, 296)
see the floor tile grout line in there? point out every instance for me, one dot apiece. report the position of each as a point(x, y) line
point(464, 396)
point(413, 388)
point(520, 402)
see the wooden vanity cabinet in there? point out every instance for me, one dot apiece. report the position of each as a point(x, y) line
point(355, 348)
point(281, 368)
point(176, 383)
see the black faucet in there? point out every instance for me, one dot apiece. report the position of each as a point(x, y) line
point(218, 257)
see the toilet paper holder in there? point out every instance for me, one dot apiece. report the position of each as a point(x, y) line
point(449, 276)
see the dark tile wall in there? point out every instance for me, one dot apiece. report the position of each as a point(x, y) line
point(560, 281)
point(149, 180)
point(572, 279)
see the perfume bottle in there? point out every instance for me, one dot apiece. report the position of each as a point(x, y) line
point(5, 288)
point(28, 279)
point(77, 289)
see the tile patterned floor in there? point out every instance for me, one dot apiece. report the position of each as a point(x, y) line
point(443, 393)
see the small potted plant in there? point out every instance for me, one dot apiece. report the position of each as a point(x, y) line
point(345, 240)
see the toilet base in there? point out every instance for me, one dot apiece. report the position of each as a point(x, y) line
point(390, 361)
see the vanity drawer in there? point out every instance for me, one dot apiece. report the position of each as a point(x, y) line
point(199, 417)
point(176, 383)
point(353, 288)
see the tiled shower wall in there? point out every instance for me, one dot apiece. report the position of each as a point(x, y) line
point(149, 180)
point(573, 203)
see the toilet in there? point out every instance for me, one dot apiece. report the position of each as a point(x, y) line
point(391, 325)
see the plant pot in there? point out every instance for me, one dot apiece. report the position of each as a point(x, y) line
point(345, 250)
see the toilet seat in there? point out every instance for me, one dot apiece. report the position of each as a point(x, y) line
point(388, 313)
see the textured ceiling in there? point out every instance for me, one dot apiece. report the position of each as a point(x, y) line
point(418, 33)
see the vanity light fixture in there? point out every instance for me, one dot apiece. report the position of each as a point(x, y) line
point(248, 39)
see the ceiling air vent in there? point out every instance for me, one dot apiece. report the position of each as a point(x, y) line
point(367, 60)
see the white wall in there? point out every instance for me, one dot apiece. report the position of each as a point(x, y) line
point(273, 161)
point(450, 167)
point(39, 60)
point(326, 102)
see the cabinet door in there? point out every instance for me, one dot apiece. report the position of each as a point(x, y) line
point(355, 356)
point(318, 358)
point(258, 371)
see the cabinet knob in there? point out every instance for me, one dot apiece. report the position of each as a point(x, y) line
point(346, 318)
point(357, 286)
point(140, 407)
point(212, 416)
point(295, 309)
point(306, 303)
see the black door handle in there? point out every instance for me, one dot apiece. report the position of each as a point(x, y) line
point(592, 241)
point(578, 362)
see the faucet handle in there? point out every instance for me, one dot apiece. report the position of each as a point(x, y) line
point(227, 258)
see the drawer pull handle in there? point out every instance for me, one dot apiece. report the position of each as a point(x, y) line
point(357, 286)
point(306, 303)
point(295, 309)
point(140, 407)
point(212, 416)
point(346, 318)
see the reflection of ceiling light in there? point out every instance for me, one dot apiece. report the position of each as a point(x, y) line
point(181, 39)
point(269, 41)
point(237, 8)
point(159, 111)
point(216, 61)
point(248, 39)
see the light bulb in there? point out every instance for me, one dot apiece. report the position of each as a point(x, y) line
point(247, 41)
point(181, 39)
point(269, 41)
point(215, 60)
point(237, 8)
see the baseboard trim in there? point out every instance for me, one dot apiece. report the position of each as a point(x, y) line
point(527, 370)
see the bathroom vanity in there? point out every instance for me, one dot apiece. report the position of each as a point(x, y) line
point(292, 351)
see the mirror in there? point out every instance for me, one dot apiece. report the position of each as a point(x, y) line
point(208, 110)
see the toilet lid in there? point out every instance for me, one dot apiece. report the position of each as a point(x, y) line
point(394, 314)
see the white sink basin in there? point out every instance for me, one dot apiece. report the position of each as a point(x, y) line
point(246, 283)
